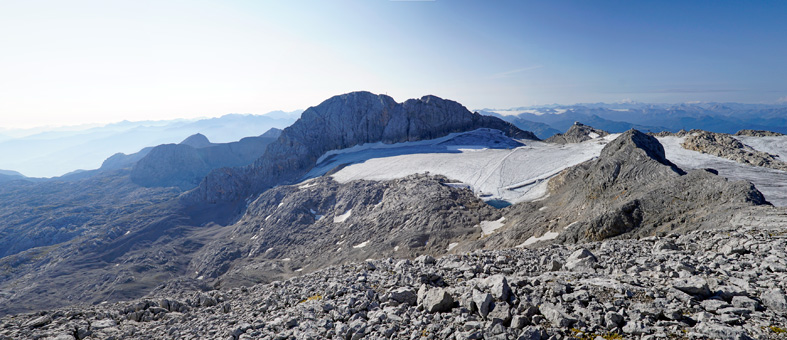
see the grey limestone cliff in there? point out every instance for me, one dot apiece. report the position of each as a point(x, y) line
point(341, 122)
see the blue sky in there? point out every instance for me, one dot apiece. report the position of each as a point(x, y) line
point(73, 62)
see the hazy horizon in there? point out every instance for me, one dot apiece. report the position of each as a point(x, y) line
point(98, 62)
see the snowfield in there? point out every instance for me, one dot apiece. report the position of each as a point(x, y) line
point(497, 168)
point(772, 183)
point(773, 145)
point(475, 158)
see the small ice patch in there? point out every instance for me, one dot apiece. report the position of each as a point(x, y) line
point(299, 270)
point(459, 185)
point(254, 237)
point(340, 249)
point(340, 242)
point(542, 208)
point(268, 217)
point(396, 248)
point(343, 217)
point(200, 277)
point(451, 246)
point(489, 227)
point(286, 259)
point(306, 186)
point(268, 250)
point(280, 204)
point(547, 236)
point(361, 245)
point(127, 232)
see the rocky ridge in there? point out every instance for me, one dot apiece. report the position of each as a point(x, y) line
point(337, 123)
point(577, 133)
point(726, 146)
point(720, 284)
point(184, 165)
point(758, 133)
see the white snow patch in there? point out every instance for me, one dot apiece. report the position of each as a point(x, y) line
point(340, 242)
point(593, 135)
point(452, 246)
point(268, 250)
point(396, 248)
point(286, 259)
point(254, 237)
point(306, 186)
point(542, 208)
point(361, 245)
point(513, 175)
point(200, 277)
point(268, 217)
point(343, 217)
point(280, 204)
point(774, 145)
point(299, 270)
point(340, 249)
point(459, 185)
point(127, 232)
point(547, 236)
point(489, 227)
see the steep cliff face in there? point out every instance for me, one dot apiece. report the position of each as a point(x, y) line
point(341, 122)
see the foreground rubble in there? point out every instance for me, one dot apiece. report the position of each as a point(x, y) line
point(713, 284)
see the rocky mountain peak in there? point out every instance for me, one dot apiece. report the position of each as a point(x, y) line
point(340, 122)
point(272, 133)
point(197, 141)
point(577, 133)
point(633, 143)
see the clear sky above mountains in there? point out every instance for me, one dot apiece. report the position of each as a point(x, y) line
point(102, 61)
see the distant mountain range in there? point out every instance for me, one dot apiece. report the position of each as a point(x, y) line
point(546, 121)
point(37, 153)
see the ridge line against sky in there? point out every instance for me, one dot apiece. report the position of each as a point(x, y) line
point(78, 62)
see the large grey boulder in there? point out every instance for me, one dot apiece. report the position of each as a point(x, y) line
point(693, 285)
point(775, 299)
point(437, 300)
point(581, 260)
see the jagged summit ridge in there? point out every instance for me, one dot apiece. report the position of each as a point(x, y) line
point(634, 143)
point(340, 122)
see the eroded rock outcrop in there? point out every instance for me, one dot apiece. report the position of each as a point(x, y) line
point(577, 133)
point(726, 146)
